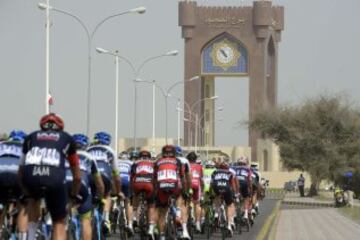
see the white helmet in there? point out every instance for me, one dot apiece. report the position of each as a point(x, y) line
point(254, 165)
point(243, 160)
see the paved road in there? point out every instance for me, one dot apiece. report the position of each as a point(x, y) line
point(266, 208)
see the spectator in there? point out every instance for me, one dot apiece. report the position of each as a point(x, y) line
point(301, 185)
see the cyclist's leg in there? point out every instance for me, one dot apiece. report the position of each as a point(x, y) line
point(162, 207)
point(85, 210)
point(230, 210)
point(56, 202)
point(196, 201)
point(106, 200)
point(129, 210)
point(22, 222)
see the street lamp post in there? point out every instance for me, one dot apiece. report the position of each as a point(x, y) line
point(116, 55)
point(136, 72)
point(90, 36)
point(154, 85)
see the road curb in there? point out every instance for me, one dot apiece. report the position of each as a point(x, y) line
point(264, 232)
point(308, 204)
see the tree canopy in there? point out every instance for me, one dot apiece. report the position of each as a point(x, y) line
point(320, 136)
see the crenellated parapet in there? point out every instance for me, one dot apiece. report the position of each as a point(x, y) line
point(262, 17)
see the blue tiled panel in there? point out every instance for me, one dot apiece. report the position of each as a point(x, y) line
point(207, 62)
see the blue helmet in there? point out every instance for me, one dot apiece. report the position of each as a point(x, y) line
point(81, 139)
point(178, 151)
point(17, 135)
point(102, 138)
point(134, 155)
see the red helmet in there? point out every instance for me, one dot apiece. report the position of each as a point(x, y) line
point(168, 150)
point(51, 121)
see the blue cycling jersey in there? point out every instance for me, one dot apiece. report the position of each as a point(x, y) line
point(124, 168)
point(10, 153)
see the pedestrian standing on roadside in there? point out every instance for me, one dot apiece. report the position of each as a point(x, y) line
point(301, 185)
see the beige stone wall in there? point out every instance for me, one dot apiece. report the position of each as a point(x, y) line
point(277, 179)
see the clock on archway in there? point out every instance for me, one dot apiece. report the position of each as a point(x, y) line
point(225, 54)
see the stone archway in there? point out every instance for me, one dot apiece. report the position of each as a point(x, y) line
point(209, 32)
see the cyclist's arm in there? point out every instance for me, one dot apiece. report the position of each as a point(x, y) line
point(75, 170)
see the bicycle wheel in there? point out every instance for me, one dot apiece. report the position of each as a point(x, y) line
point(223, 225)
point(207, 224)
point(122, 225)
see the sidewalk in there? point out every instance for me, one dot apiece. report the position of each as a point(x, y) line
point(314, 224)
point(296, 221)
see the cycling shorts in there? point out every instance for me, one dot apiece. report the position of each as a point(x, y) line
point(9, 187)
point(196, 194)
point(52, 187)
point(164, 193)
point(244, 189)
point(105, 171)
point(148, 188)
point(226, 193)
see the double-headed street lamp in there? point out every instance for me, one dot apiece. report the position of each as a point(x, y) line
point(166, 94)
point(90, 36)
point(136, 72)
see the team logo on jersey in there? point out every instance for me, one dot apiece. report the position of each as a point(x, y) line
point(43, 136)
point(41, 171)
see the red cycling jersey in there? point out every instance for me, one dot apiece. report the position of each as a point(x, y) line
point(142, 177)
point(168, 175)
point(196, 175)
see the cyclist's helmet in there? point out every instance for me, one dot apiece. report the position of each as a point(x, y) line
point(102, 138)
point(192, 157)
point(145, 154)
point(178, 151)
point(254, 165)
point(124, 155)
point(134, 155)
point(222, 164)
point(243, 161)
point(168, 151)
point(17, 136)
point(81, 140)
point(210, 164)
point(51, 121)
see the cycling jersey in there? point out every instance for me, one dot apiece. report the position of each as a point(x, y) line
point(196, 177)
point(124, 169)
point(186, 163)
point(142, 177)
point(221, 183)
point(44, 167)
point(243, 174)
point(207, 178)
point(10, 153)
point(168, 175)
point(106, 162)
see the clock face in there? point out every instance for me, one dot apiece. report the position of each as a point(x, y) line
point(225, 54)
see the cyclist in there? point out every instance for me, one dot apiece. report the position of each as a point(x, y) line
point(256, 187)
point(197, 185)
point(224, 187)
point(42, 173)
point(207, 173)
point(10, 154)
point(124, 166)
point(184, 198)
point(142, 180)
point(104, 156)
point(169, 174)
point(243, 174)
point(89, 171)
